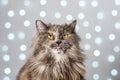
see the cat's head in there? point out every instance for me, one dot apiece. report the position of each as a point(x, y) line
point(59, 38)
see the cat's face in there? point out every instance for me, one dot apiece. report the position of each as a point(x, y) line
point(57, 38)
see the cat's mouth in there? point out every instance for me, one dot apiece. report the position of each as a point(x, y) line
point(58, 47)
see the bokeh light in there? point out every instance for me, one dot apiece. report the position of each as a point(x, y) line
point(11, 13)
point(112, 37)
point(22, 12)
point(88, 35)
point(81, 16)
point(87, 46)
point(4, 48)
point(8, 25)
point(42, 14)
point(7, 70)
point(114, 72)
point(6, 57)
point(63, 3)
point(96, 76)
point(111, 58)
point(96, 53)
point(98, 40)
point(57, 15)
point(98, 28)
point(23, 47)
point(95, 64)
point(116, 49)
point(26, 2)
point(6, 78)
point(26, 23)
point(21, 35)
point(4, 2)
point(22, 56)
point(43, 2)
point(69, 17)
point(82, 3)
point(86, 23)
point(100, 15)
point(11, 36)
point(94, 3)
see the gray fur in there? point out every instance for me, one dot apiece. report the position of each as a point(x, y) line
point(49, 63)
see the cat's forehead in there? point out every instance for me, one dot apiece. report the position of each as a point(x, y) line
point(57, 28)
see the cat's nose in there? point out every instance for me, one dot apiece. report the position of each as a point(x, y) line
point(58, 42)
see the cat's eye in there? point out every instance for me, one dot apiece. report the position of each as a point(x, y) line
point(65, 36)
point(51, 37)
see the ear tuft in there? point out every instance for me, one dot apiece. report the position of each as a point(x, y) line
point(41, 26)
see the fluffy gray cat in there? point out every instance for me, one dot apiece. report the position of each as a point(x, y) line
point(56, 54)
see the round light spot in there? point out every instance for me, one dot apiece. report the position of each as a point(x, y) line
point(42, 14)
point(96, 77)
point(94, 3)
point(4, 2)
point(6, 58)
point(21, 35)
point(109, 79)
point(82, 3)
point(95, 64)
point(69, 17)
point(114, 72)
point(11, 36)
point(116, 49)
point(117, 25)
point(88, 35)
point(111, 58)
point(11, 13)
point(4, 48)
point(43, 2)
point(22, 12)
point(114, 12)
point(98, 40)
point(81, 16)
point(57, 15)
point(98, 28)
point(22, 56)
point(96, 53)
point(100, 15)
point(112, 37)
point(7, 25)
point(7, 70)
point(87, 46)
point(86, 23)
point(117, 2)
point(26, 2)
point(63, 3)
point(23, 47)
point(6, 78)
point(26, 23)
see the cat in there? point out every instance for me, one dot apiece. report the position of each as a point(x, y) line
point(56, 54)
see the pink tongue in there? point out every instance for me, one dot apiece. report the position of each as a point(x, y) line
point(58, 47)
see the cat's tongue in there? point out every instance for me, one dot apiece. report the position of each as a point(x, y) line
point(58, 47)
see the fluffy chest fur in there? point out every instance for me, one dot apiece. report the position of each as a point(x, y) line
point(57, 66)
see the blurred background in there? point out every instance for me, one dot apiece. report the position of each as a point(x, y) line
point(98, 25)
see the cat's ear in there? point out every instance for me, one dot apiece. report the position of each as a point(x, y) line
point(41, 26)
point(73, 24)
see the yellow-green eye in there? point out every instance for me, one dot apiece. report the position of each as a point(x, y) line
point(65, 36)
point(50, 37)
